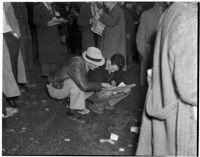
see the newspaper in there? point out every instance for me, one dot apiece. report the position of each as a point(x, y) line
point(98, 27)
point(120, 88)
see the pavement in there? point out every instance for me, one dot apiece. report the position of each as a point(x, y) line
point(42, 127)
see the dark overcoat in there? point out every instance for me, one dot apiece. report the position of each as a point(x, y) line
point(87, 39)
point(21, 15)
point(50, 49)
point(113, 38)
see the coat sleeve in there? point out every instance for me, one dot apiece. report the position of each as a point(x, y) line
point(11, 18)
point(111, 19)
point(81, 80)
point(83, 20)
point(184, 54)
point(141, 36)
point(39, 18)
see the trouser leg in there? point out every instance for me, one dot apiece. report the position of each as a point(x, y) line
point(77, 98)
point(4, 104)
point(53, 67)
point(13, 47)
point(45, 69)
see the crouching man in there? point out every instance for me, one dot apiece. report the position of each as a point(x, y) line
point(70, 80)
point(111, 72)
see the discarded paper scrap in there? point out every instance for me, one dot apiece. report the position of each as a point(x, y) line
point(121, 149)
point(135, 129)
point(113, 137)
point(67, 140)
point(46, 109)
point(107, 140)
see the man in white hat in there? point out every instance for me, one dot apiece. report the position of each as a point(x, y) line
point(70, 80)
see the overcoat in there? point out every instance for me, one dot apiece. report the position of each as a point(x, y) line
point(169, 126)
point(87, 38)
point(50, 49)
point(21, 15)
point(113, 38)
point(145, 39)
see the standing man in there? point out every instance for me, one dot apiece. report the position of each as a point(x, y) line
point(169, 124)
point(145, 38)
point(25, 44)
point(50, 50)
point(87, 12)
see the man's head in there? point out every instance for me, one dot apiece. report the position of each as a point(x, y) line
point(93, 58)
point(109, 5)
point(129, 5)
point(115, 63)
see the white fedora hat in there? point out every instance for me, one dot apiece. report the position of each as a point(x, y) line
point(93, 55)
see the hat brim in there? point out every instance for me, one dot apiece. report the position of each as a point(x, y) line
point(93, 62)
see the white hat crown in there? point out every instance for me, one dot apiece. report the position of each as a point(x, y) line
point(93, 55)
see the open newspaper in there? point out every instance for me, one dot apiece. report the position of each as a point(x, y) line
point(121, 87)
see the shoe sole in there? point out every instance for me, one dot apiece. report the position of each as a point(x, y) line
point(76, 120)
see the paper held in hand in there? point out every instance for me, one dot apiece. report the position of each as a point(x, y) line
point(122, 87)
point(98, 27)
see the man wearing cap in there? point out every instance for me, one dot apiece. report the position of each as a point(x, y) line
point(71, 79)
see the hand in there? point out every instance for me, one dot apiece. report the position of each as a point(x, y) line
point(92, 20)
point(15, 34)
point(128, 36)
point(113, 83)
point(100, 11)
point(54, 21)
point(106, 85)
point(127, 90)
point(57, 13)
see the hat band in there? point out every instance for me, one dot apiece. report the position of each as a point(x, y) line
point(93, 59)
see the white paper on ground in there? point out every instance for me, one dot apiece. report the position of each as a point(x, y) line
point(114, 137)
point(135, 129)
point(107, 140)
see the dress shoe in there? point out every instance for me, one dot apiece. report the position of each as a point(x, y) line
point(22, 89)
point(12, 103)
point(72, 115)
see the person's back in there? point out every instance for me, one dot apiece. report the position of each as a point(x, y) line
point(171, 103)
point(145, 38)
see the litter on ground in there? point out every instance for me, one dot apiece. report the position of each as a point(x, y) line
point(67, 140)
point(121, 149)
point(135, 129)
point(107, 141)
point(130, 145)
point(113, 137)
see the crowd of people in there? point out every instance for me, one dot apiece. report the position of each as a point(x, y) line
point(106, 37)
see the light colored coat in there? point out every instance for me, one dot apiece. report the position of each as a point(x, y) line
point(168, 124)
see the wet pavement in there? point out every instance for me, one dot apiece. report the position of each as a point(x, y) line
point(42, 127)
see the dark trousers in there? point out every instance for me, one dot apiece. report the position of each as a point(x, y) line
point(13, 48)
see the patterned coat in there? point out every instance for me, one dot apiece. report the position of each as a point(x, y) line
point(169, 126)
